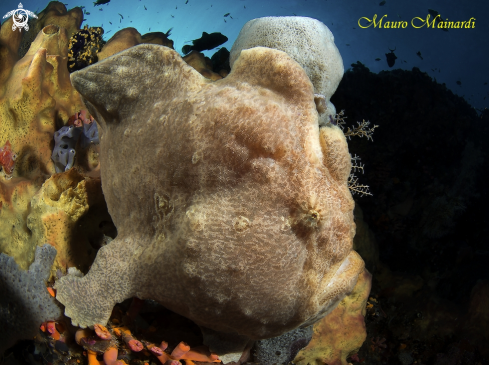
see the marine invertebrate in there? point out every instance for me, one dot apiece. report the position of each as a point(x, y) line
point(84, 46)
point(67, 212)
point(309, 42)
point(80, 127)
point(103, 341)
point(64, 147)
point(25, 303)
point(182, 352)
point(102, 332)
point(342, 332)
point(7, 159)
point(80, 118)
point(128, 339)
point(50, 327)
point(35, 92)
point(245, 203)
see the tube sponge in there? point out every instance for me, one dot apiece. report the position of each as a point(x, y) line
point(25, 302)
point(65, 142)
point(64, 147)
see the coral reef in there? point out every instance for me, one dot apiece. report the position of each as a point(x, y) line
point(24, 307)
point(84, 47)
point(70, 213)
point(257, 210)
point(130, 37)
point(35, 95)
point(307, 41)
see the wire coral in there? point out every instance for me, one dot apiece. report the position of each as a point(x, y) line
point(84, 46)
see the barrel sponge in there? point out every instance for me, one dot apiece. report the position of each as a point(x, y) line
point(227, 210)
point(308, 41)
point(24, 301)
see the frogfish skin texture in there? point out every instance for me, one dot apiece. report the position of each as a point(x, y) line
point(231, 205)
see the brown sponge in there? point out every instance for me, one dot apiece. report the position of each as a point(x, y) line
point(227, 207)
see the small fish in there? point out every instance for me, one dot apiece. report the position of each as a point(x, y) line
point(391, 57)
point(225, 21)
point(459, 83)
point(145, 7)
point(377, 59)
point(149, 28)
point(87, 13)
point(84, 20)
point(168, 32)
point(120, 20)
point(186, 2)
point(205, 43)
point(244, 6)
point(120, 15)
point(231, 17)
point(294, 14)
point(227, 14)
point(347, 44)
point(65, 4)
point(109, 31)
point(172, 16)
point(382, 3)
point(176, 7)
point(419, 54)
point(110, 23)
point(100, 9)
point(100, 2)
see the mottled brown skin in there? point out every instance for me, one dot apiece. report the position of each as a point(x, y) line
point(232, 207)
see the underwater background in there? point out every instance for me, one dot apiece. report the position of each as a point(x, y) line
point(422, 228)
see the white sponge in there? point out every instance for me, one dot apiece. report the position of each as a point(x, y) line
point(308, 41)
